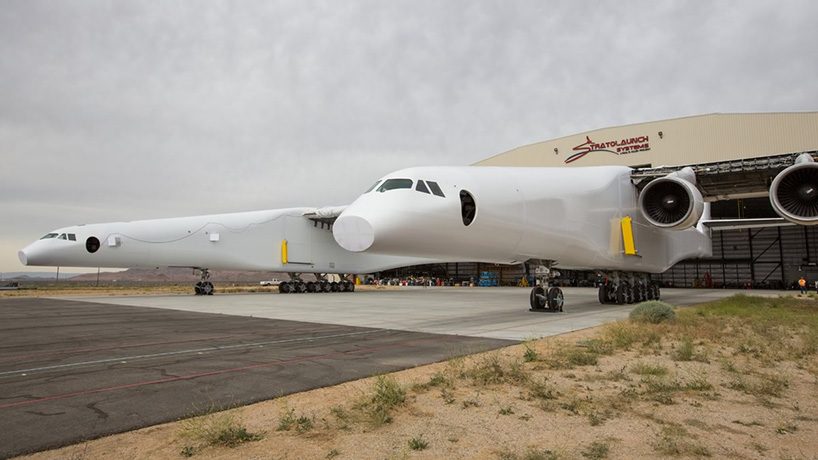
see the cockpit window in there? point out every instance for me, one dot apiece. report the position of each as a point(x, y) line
point(393, 184)
point(62, 236)
point(421, 187)
point(435, 188)
point(49, 236)
point(373, 187)
point(72, 237)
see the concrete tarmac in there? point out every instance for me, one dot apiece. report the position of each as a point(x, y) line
point(73, 370)
point(500, 313)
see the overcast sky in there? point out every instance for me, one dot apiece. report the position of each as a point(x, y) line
point(125, 110)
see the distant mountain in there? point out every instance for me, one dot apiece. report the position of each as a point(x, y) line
point(38, 275)
point(181, 275)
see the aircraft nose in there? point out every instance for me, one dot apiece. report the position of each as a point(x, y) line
point(353, 233)
point(21, 254)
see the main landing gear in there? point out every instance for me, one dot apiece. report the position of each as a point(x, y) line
point(545, 297)
point(321, 284)
point(624, 288)
point(204, 287)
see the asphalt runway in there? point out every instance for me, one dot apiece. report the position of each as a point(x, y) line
point(500, 313)
point(75, 370)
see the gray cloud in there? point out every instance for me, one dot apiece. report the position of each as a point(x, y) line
point(120, 110)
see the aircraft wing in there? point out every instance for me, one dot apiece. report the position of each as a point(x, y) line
point(675, 196)
point(726, 180)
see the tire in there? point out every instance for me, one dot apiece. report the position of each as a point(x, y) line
point(555, 299)
point(342, 286)
point(325, 286)
point(207, 288)
point(197, 288)
point(311, 287)
point(300, 287)
point(285, 288)
point(351, 287)
point(603, 294)
point(333, 286)
point(620, 293)
point(537, 298)
point(658, 295)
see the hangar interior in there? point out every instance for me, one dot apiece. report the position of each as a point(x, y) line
point(773, 257)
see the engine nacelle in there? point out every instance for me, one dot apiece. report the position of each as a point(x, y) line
point(673, 201)
point(794, 192)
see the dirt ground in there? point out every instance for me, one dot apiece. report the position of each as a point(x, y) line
point(103, 291)
point(725, 385)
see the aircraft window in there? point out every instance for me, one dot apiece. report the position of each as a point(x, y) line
point(468, 208)
point(72, 237)
point(49, 236)
point(62, 236)
point(373, 187)
point(435, 188)
point(393, 184)
point(421, 187)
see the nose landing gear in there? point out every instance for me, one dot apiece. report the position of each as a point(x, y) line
point(204, 287)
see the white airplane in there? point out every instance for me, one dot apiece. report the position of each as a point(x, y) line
point(588, 218)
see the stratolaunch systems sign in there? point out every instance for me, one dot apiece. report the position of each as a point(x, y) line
point(617, 147)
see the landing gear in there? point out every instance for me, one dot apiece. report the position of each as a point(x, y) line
point(321, 284)
point(627, 288)
point(544, 297)
point(204, 287)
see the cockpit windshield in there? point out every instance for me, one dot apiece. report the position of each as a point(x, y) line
point(393, 184)
point(49, 236)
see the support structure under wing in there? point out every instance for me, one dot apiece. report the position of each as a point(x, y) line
point(324, 216)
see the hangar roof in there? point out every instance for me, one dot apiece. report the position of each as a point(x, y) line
point(679, 141)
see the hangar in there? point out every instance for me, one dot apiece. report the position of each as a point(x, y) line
point(768, 257)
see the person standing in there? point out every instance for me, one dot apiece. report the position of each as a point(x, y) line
point(802, 283)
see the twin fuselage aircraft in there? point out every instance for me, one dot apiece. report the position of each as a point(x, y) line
point(590, 218)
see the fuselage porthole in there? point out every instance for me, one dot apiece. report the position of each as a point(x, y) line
point(92, 244)
point(468, 208)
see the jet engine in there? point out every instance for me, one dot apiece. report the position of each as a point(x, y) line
point(794, 191)
point(673, 201)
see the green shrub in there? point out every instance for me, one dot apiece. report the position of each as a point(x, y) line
point(653, 311)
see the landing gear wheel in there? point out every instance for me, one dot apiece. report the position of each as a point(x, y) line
point(637, 293)
point(342, 286)
point(650, 292)
point(325, 286)
point(351, 286)
point(657, 294)
point(620, 294)
point(285, 288)
point(207, 288)
point(311, 287)
point(603, 294)
point(555, 299)
point(198, 288)
point(537, 298)
point(333, 286)
point(300, 288)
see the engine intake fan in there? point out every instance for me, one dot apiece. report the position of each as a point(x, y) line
point(673, 201)
point(794, 192)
